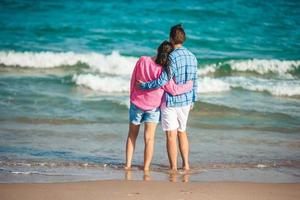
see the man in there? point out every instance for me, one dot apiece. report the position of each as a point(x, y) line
point(175, 110)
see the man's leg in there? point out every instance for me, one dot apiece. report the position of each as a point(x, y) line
point(149, 143)
point(183, 114)
point(172, 148)
point(184, 149)
point(130, 144)
point(169, 124)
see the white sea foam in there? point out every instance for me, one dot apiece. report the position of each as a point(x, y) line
point(260, 66)
point(261, 166)
point(111, 73)
point(122, 84)
point(117, 64)
point(211, 85)
point(265, 66)
point(278, 89)
point(103, 84)
point(24, 173)
point(112, 84)
point(113, 63)
point(274, 87)
point(208, 69)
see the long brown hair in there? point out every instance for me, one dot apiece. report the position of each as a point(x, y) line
point(162, 57)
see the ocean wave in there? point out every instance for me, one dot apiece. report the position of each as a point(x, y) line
point(114, 63)
point(113, 84)
point(211, 85)
point(283, 68)
point(278, 89)
point(111, 73)
point(103, 84)
point(265, 66)
point(275, 87)
point(289, 88)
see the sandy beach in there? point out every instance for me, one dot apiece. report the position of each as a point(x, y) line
point(150, 190)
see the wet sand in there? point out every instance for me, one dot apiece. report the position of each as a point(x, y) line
point(147, 190)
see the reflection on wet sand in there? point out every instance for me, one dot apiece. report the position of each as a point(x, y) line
point(182, 176)
point(147, 176)
point(128, 174)
point(173, 176)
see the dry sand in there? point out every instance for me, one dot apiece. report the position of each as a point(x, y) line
point(150, 190)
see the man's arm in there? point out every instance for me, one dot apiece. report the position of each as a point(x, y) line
point(157, 83)
point(161, 81)
point(195, 85)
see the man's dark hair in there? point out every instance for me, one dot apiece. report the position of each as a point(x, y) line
point(177, 34)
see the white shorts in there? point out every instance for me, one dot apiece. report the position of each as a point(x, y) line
point(174, 118)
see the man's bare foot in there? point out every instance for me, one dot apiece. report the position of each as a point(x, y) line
point(146, 176)
point(127, 167)
point(146, 169)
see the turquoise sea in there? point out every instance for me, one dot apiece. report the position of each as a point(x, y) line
point(65, 68)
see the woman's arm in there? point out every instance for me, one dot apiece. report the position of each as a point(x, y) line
point(133, 76)
point(176, 89)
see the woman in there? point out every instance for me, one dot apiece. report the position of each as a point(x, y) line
point(145, 105)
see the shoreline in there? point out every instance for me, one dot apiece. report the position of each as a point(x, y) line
point(122, 189)
point(66, 173)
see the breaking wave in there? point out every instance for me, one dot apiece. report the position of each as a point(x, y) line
point(282, 68)
point(111, 73)
point(114, 63)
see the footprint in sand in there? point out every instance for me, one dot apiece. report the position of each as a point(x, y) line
point(185, 192)
point(133, 194)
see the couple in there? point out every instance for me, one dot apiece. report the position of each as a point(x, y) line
point(163, 87)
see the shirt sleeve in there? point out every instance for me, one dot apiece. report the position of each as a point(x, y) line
point(176, 89)
point(133, 76)
point(157, 83)
point(195, 83)
point(161, 81)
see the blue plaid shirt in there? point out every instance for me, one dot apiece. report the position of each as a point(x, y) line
point(183, 68)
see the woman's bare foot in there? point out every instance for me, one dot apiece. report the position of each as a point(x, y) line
point(186, 168)
point(173, 175)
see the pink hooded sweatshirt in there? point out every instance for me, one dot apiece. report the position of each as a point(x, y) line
point(147, 70)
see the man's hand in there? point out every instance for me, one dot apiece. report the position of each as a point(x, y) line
point(138, 84)
point(192, 107)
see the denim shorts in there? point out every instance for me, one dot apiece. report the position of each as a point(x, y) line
point(138, 116)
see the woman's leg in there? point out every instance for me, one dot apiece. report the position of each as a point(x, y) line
point(149, 134)
point(130, 144)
